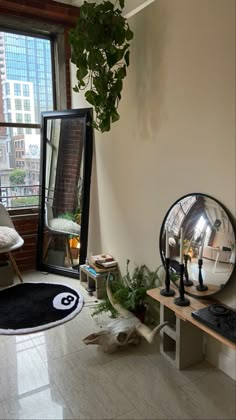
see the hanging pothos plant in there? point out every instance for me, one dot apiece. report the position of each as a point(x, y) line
point(100, 51)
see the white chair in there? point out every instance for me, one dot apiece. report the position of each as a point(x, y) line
point(58, 225)
point(10, 240)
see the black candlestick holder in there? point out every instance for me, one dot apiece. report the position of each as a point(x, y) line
point(200, 287)
point(187, 282)
point(167, 291)
point(181, 300)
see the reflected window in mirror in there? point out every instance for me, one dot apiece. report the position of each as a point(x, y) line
point(208, 237)
point(64, 205)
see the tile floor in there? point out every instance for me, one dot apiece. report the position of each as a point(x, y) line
point(53, 375)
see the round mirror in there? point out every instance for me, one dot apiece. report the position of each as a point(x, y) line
point(198, 232)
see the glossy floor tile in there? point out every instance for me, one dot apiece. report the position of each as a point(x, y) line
point(133, 414)
point(53, 375)
point(44, 403)
point(89, 392)
point(22, 371)
point(2, 414)
point(222, 401)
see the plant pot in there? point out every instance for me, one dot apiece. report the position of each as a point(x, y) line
point(73, 242)
point(140, 312)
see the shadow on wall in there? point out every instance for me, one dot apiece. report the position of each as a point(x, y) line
point(149, 72)
point(94, 234)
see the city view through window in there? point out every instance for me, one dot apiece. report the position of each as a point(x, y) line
point(26, 89)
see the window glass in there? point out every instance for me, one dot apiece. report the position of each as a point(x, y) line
point(18, 104)
point(7, 89)
point(26, 104)
point(26, 89)
point(19, 117)
point(27, 118)
point(8, 102)
point(17, 89)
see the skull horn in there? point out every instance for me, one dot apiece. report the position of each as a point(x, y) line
point(141, 328)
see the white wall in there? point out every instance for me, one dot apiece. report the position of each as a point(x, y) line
point(131, 6)
point(176, 134)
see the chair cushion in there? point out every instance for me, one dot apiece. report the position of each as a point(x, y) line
point(64, 225)
point(8, 237)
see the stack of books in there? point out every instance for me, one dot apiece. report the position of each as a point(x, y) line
point(103, 263)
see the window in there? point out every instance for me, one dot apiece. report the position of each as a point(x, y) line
point(26, 105)
point(19, 118)
point(27, 59)
point(27, 118)
point(17, 87)
point(26, 91)
point(18, 104)
point(7, 89)
point(174, 221)
point(26, 63)
point(8, 103)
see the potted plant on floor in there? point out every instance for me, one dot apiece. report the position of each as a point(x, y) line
point(131, 291)
point(100, 51)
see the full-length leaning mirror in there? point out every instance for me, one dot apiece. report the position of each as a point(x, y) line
point(208, 234)
point(66, 160)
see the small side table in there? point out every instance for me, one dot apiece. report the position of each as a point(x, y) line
point(92, 280)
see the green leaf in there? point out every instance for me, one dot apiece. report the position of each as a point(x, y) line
point(122, 3)
point(129, 34)
point(91, 97)
point(126, 57)
point(105, 124)
point(119, 85)
point(115, 116)
point(106, 6)
point(81, 73)
point(100, 51)
point(121, 72)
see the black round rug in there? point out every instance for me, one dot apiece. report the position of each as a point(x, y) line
point(30, 307)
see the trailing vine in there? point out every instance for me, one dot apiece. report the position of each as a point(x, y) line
point(100, 51)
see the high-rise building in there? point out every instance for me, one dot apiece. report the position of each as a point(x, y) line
point(28, 59)
point(18, 104)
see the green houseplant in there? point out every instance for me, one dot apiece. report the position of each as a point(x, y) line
point(100, 51)
point(131, 291)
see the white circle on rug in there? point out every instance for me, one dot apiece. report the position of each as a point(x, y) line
point(64, 301)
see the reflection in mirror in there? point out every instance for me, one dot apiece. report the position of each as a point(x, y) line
point(208, 243)
point(66, 171)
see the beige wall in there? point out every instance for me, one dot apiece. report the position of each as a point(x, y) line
point(176, 134)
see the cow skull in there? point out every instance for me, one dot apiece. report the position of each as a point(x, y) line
point(127, 329)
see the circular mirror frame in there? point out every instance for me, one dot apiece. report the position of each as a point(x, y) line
point(233, 224)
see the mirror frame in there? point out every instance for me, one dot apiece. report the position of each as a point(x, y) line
point(86, 113)
point(233, 223)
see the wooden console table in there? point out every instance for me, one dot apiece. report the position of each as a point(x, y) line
point(182, 340)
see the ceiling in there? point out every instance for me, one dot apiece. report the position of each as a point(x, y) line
point(131, 6)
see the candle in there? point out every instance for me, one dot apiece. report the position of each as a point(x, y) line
point(167, 244)
point(181, 246)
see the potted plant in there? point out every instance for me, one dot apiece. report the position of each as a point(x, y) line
point(100, 51)
point(130, 291)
